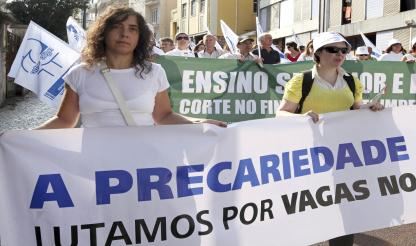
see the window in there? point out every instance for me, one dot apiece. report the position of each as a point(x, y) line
point(346, 12)
point(287, 16)
point(202, 6)
point(264, 18)
point(406, 5)
point(255, 6)
point(374, 9)
point(315, 9)
point(183, 12)
point(274, 16)
point(155, 16)
point(193, 7)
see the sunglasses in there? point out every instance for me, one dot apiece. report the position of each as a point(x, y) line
point(182, 37)
point(363, 55)
point(334, 50)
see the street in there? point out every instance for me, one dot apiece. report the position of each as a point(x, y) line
point(28, 112)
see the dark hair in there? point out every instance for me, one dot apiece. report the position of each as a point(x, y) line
point(166, 39)
point(94, 50)
point(390, 48)
point(293, 45)
point(199, 44)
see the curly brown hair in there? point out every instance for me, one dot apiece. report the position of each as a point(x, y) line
point(94, 50)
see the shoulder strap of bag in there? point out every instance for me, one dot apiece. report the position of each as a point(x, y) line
point(351, 85)
point(128, 118)
point(306, 88)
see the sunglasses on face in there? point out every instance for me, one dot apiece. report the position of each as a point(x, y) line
point(334, 50)
point(182, 37)
point(363, 55)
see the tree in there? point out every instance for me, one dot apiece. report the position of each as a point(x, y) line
point(50, 14)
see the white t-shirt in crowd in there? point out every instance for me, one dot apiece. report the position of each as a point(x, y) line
point(97, 104)
point(178, 52)
point(303, 57)
point(391, 57)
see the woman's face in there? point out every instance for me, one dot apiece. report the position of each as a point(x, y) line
point(333, 55)
point(201, 47)
point(122, 38)
point(396, 48)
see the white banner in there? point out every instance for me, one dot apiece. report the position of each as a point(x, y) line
point(40, 63)
point(283, 181)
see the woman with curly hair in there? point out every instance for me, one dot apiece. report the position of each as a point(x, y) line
point(118, 45)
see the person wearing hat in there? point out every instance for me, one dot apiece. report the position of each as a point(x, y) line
point(411, 56)
point(331, 89)
point(394, 51)
point(361, 53)
point(244, 45)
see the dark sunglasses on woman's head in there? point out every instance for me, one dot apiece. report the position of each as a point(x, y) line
point(333, 50)
point(182, 37)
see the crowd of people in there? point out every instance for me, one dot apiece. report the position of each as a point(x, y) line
point(208, 47)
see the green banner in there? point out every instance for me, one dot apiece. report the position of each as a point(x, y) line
point(234, 91)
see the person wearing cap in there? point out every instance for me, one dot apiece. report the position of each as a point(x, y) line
point(330, 91)
point(268, 55)
point(307, 55)
point(210, 51)
point(361, 53)
point(182, 46)
point(244, 46)
point(292, 53)
point(411, 56)
point(394, 51)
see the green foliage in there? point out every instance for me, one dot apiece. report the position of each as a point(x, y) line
point(50, 14)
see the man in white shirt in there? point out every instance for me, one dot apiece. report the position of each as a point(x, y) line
point(244, 46)
point(210, 51)
point(182, 46)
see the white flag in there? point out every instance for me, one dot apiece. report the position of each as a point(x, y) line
point(76, 34)
point(41, 62)
point(260, 32)
point(376, 53)
point(230, 37)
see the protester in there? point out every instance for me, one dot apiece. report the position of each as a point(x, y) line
point(118, 47)
point(411, 56)
point(182, 46)
point(166, 44)
point(210, 51)
point(268, 55)
point(200, 46)
point(361, 53)
point(301, 48)
point(331, 89)
point(308, 54)
point(293, 52)
point(394, 51)
point(244, 46)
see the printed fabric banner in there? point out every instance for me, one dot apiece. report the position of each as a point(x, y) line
point(284, 181)
point(41, 62)
point(234, 91)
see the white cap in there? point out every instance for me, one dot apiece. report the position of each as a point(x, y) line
point(362, 50)
point(328, 38)
point(393, 41)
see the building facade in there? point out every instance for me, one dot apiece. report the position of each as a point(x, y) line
point(379, 20)
point(197, 17)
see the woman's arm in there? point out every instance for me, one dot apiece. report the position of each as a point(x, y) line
point(68, 113)
point(163, 114)
point(289, 108)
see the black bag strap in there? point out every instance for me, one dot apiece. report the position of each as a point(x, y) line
point(307, 86)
